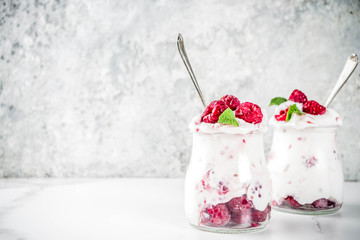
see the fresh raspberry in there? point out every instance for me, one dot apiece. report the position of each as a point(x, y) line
point(298, 96)
point(314, 108)
point(323, 203)
point(261, 216)
point(220, 214)
point(213, 111)
point(292, 201)
point(253, 224)
point(242, 218)
point(320, 203)
point(249, 112)
point(231, 101)
point(282, 115)
point(239, 204)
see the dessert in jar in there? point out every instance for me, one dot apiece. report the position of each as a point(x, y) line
point(305, 170)
point(227, 184)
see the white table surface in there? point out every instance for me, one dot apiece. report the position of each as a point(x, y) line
point(51, 209)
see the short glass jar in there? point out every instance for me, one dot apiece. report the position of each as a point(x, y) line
point(227, 184)
point(306, 172)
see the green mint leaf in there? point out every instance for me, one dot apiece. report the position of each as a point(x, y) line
point(277, 101)
point(228, 117)
point(293, 109)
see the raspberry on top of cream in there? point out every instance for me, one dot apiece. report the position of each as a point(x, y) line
point(300, 113)
point(228, 115)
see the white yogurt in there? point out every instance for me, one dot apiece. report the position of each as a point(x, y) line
point(225, 155)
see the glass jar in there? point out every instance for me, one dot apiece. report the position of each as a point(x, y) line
point(306, 173)
point(227, 184)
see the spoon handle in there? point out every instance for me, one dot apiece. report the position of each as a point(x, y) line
point(181, 48)
point(349, 68)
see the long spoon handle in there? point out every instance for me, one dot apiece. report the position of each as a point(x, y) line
point(181, 48)
point(349, 68)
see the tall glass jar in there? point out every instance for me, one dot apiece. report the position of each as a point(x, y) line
point(306, 172)
point(227, 185)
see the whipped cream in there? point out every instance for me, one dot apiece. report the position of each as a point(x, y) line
point(329, 119)
point(244, 127)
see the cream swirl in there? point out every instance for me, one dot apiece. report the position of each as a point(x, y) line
point(244, 127)
point(329, 119)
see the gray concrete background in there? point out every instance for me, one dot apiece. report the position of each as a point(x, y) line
point(97, 88)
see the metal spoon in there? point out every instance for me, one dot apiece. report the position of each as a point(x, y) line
point(181, 48)
point(348, 69)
